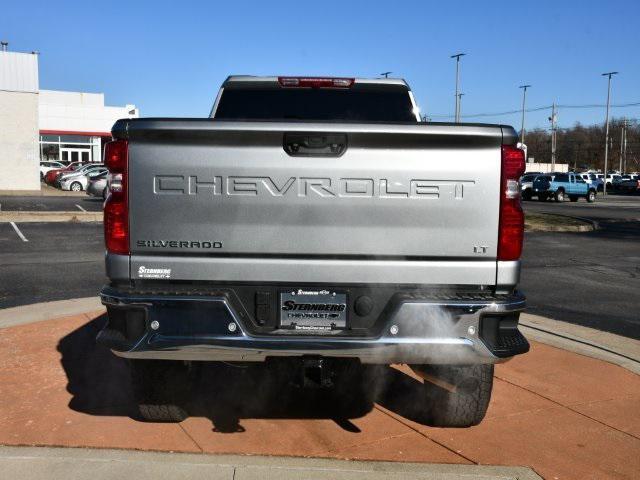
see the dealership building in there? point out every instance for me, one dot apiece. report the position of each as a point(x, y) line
point(40, 124)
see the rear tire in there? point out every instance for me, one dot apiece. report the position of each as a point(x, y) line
point(526, 195)
point(559, 196)
point(464, 407)
point(591, 196)
point(76, 187)
point(160, 388)
point(542, 198)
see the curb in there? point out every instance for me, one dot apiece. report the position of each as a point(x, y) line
point(616, 349)
point(593, 225)
point(611, 348)
point(31, 217)
point(39, 312)
point(34, 463)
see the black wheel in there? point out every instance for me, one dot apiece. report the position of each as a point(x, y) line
point(526, 195)
point(559, 196)
point(591, 196)
point(542, 198)
point(161, 387)
point(456, 396)
point(573, 198)
point(76, 187)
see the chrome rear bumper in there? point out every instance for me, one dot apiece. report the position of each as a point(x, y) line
point(417, 330)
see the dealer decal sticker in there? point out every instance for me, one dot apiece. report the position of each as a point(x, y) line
point(144, 272)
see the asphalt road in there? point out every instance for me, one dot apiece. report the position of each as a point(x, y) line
point(591, 279)
point(50, 204)
point(58, 261)
point(609, 208)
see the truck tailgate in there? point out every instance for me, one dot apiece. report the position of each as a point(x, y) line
point(391, 192)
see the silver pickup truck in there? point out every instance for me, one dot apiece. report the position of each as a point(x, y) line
point(314, 221)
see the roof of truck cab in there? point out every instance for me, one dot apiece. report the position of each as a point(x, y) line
point(274, 79)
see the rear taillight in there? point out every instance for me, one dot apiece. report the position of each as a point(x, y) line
point(511, 228)
point(116, 207)
point(315, 82)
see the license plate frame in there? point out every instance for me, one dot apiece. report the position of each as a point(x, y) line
point(313, 310)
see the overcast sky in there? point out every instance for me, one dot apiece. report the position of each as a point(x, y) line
point(169, 58)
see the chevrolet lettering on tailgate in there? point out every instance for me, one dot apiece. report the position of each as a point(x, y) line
point(303, 187)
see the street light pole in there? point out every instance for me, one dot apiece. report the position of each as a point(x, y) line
point(606, 135)
point(621, 143)
point(524, 99)
point(459, 112)
point(554, 123)
point(624, 146)
point(457, 57)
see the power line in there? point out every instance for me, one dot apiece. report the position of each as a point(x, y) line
point(613, 105)
point(538, 109)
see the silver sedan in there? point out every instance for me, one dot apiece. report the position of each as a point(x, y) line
point(97, 186)
point(77, 183)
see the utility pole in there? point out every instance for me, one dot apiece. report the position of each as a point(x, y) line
point(459, 112)
point(457, 57)
point(385, 74)
point(624, 147)
point(606, 135)
point(554, 122)
point(621, 142)
point(524, 99)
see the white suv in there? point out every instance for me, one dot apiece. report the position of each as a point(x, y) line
point(610, 177)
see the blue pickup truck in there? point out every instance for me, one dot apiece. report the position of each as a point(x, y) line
point(562, 185)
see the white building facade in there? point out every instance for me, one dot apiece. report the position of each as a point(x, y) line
point(40, 125)
point(75, 125)
point(19, 121)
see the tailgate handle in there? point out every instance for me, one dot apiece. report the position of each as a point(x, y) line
point(315, 144)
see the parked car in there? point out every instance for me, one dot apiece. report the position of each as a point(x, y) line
point(610, 177)
point(630, 185)
point(593, 180)
point(84, 170)
point(618, 181)
point(47, 166)
point(526, 185)
point(197, 273)
point(564, 185)
point(51, 175)
point(77, 183)
point(97, 185)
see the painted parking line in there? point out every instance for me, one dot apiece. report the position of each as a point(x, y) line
point(81, 209)
point(15, 227)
